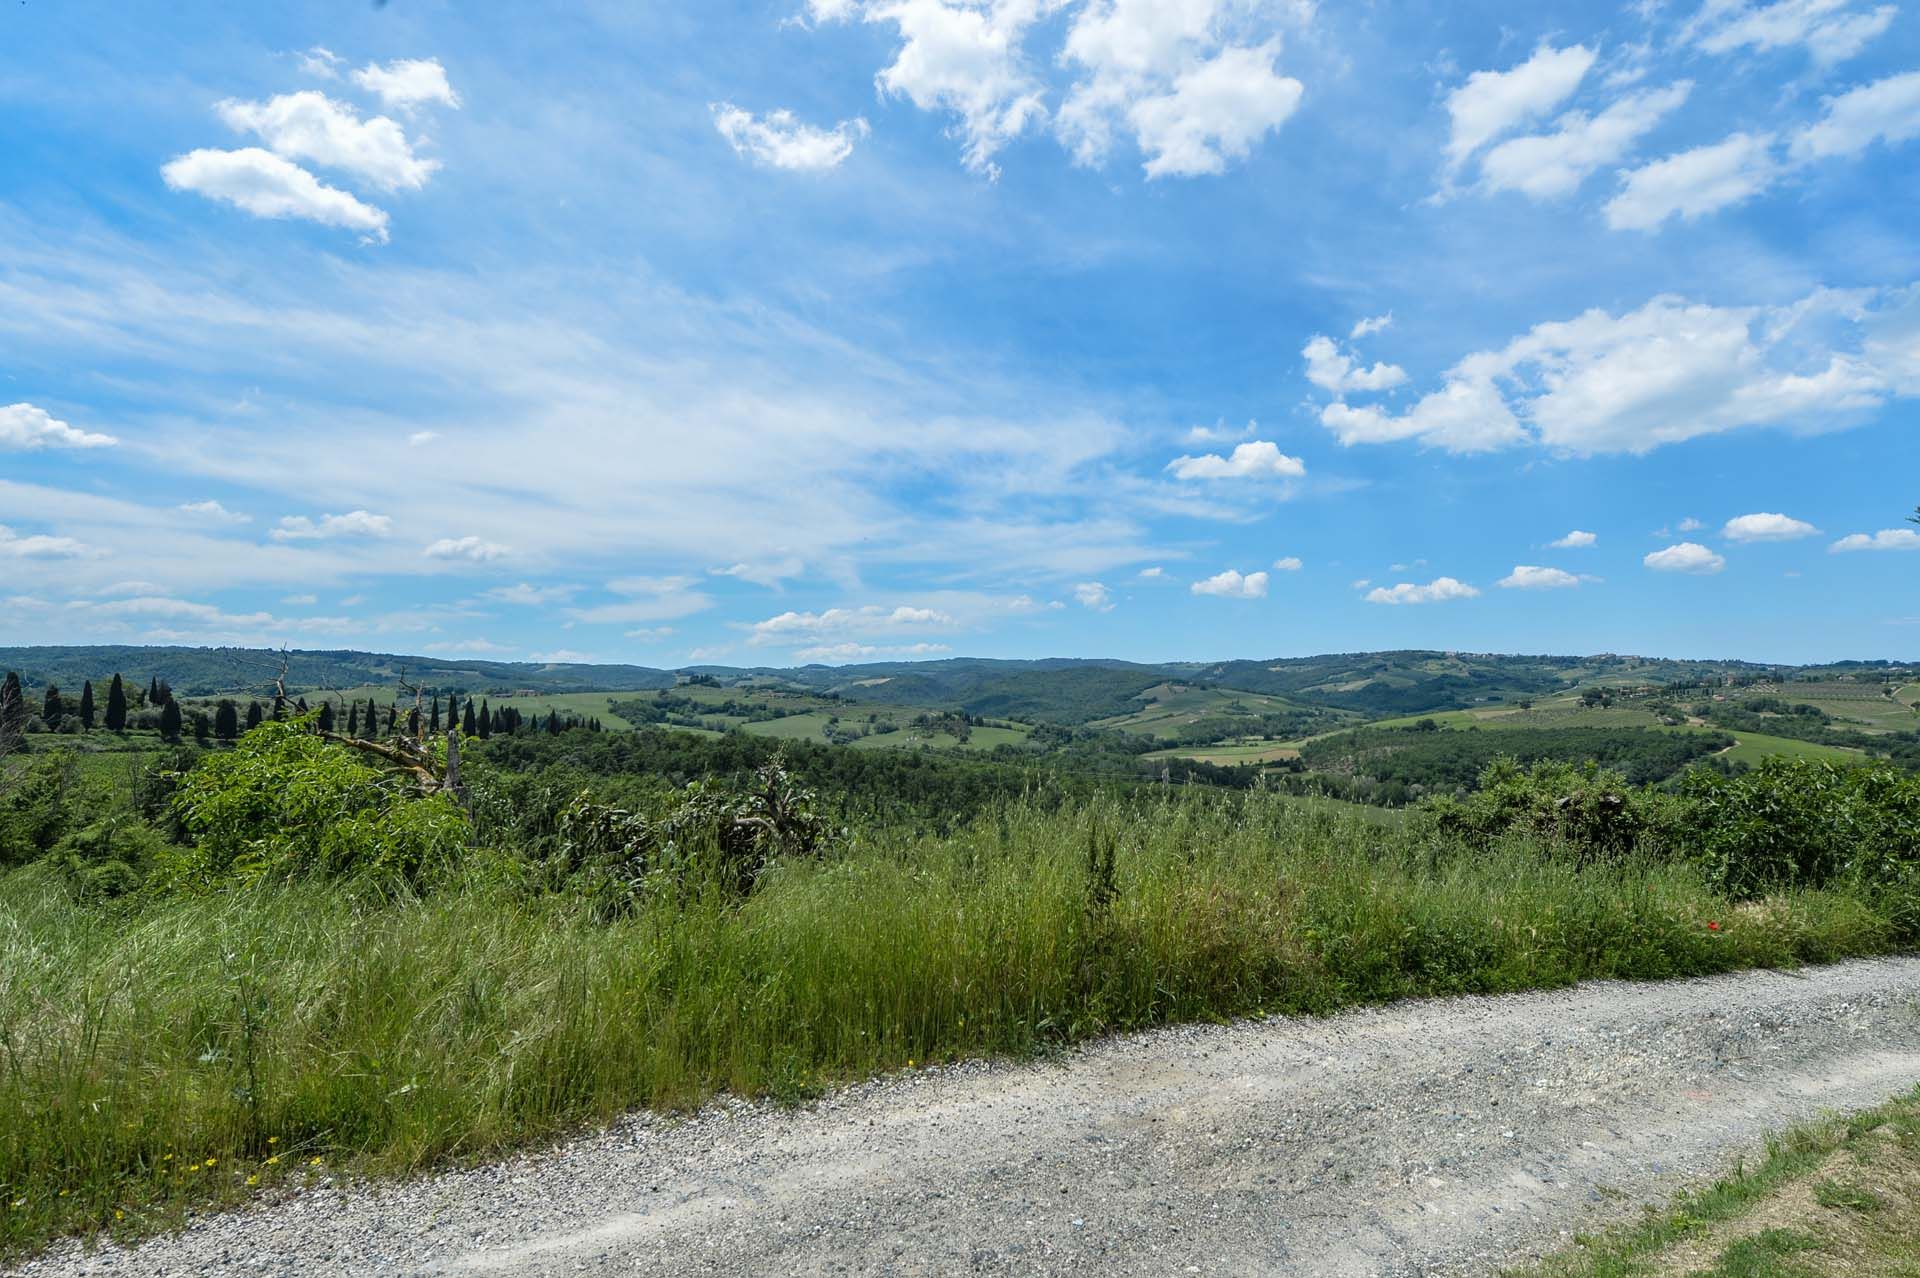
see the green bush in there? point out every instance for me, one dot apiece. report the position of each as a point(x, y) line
point(1588, 810)
point(285, 803)
point(1804, 822)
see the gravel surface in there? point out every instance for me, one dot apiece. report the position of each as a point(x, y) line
point(1437, 1137)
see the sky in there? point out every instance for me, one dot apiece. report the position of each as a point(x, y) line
point(789, 331)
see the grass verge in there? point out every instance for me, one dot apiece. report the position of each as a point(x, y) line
point(193, 1051)
point(1830, 1198)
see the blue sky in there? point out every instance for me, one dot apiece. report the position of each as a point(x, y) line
point(840, 330)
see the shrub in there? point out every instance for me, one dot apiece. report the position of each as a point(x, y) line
point(1589, 810)
point(285, 803)
point(1804, 822)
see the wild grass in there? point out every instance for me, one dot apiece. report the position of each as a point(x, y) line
point(245, 1034)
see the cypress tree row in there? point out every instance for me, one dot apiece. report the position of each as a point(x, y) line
point(116, 706)
point(485, 722)
point(86, 705)
point(467, 722)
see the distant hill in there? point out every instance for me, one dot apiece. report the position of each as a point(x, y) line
point(1060, 690)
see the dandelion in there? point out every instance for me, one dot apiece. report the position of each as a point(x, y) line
point(272, 1160)
point(254, 1179)
point(212, 1161)
point(118, 1214)
point(273, 1140)
point(313, 1162)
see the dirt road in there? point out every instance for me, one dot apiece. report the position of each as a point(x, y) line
point(1438, 1137)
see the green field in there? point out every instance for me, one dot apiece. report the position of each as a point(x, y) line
point(1755, 746)
point(1167, 708)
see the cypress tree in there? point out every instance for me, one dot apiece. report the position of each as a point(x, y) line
point(353, 719)
point(200, 727)
point(86, 705)
point(325, 722)
point(165, 692)
point(116, 706)
point(392, 718)
point(468, 725)
point(254, 715)
point(13, 705)
point(433, 723)
point(301, 705)
point(170, 721)
point(553, 723)
point(51, 707)
point(373, 717)
point(485, 726)
point(153, 690)
point(226, 721)
point(413, 722)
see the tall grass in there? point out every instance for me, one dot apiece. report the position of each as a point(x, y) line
point(244, 1035)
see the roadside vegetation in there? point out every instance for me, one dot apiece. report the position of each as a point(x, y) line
point(1828, 1199)
point(299, 954)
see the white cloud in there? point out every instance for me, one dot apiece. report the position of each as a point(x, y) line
point(301, 601)
point(964, 57)
point(1669, 371)
point(265, 185)
point(1152, 574)
point(795, 627)
point(651, 634)
point(1092, 594)
point(838, 653)
point(1171, 76)
point(320, 62)
point(1574, 540)
point(1216, 112)
point(562, 657)
point(309, 125)
point(1885, 111)
point(1885, 539)
point(1554, 164)
point(1689, 524)
point(647, 599)
point(528, 596)
point(1231, 585)
point(408, 82)
point(831, 10)
point(1466, 415)
point(355, 523)
point(1258, 459)
point(1439, 590)
point(1221, 433)
point(1694, 183)
point(1830, 30)
point(1288, 563)
point(1371, 325)
point(421, 438)
point(1360, 583)
point(769, 573)
point(1532, 577)
point(25, 428)
point(1493, 103)
point(1685, 556)
point(471, 549)
point(1336, 372)
point(781, 140)
point(15, 546)
point(212, 509)
point(1766, 527)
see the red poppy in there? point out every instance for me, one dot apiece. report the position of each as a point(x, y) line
point(1713, 927)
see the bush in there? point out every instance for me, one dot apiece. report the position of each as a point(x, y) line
point(1588, 810)
point(285, 803)
point(1804, 822)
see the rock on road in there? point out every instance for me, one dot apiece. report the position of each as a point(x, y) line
point(1447, 1136)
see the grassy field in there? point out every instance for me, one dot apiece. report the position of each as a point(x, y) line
point(1831, 1199)
point(1755, 746)
point(1167, 708)
point(193, 1049)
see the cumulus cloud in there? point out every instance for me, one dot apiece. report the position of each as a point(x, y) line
point(320, 62)
point(471, 549)
point(1685, 556)
point(1439, 590)
point(1094, 595)
point(355, 523)
point(780, 140)
point(1371, 325)
point(796, 626)
point(212, 509)
point(1669, 371)
point(14, 546)
point(1885, 539)
point(1550, 165)
point(964, 57)
point(1885, 111)
point(1331, 369)
point(408, 82)
point(1493, 103)
point(1575, 540)
point(1830, 30)
point(1258, 459)
point(1766, 527)
point(259, 182)
point(1232, 585)
point(1289, 563)
point(1177, 78)
point(1532, 577)
point(309, 125)
point(1694, 183)
point(27, 428)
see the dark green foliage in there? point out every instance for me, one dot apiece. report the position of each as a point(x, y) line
point(324, 720)
point(170, 720)
point(1591, 811)
point(116, 706)
point(86, 705)
point(467, 723)
point(485, 724)
point(1451, 761)
point(13, 706)
point(1794, 822)
point(52, 708)
point(255, 715)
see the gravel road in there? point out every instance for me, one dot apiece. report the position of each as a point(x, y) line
point(1438, 1137)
